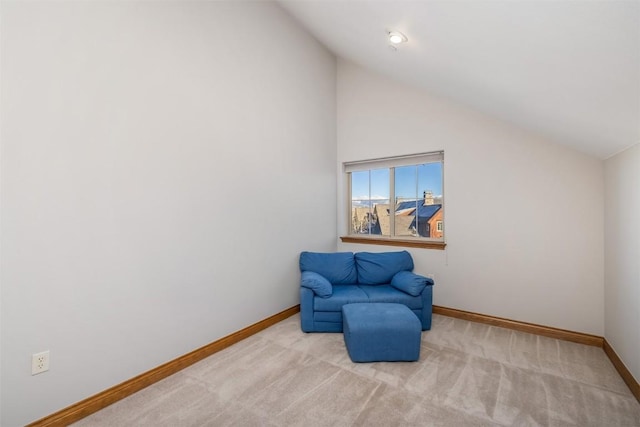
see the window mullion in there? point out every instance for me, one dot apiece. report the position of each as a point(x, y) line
point(370, 207)
point(392, 202)
point(350, 204)
point(417, 216)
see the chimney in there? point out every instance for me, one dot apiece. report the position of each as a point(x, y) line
point(428, 198)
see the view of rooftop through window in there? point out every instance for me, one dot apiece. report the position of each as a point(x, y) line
point(417, 196)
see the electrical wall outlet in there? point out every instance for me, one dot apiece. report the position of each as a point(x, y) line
point(39, 362)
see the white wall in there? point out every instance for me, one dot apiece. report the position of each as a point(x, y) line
point(154, 154)
point(622, 256)
point(523, 216)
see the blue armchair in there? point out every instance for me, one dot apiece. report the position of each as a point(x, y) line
point(331, 280)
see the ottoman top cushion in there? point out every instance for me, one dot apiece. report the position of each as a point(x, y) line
point(380, 315)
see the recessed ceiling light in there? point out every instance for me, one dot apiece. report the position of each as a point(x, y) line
point(396, 37)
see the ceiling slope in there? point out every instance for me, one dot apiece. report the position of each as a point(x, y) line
point(567, 70)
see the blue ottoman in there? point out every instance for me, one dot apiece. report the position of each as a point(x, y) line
point(381, 332)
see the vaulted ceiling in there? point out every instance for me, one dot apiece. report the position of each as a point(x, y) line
point(567, 70)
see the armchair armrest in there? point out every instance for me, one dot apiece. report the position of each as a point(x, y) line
point(410, 283)
point(317, 283)
point(306, 309)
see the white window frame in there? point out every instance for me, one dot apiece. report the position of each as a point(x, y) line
point(390, 163)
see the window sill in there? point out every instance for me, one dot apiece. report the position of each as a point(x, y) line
point(410, 243)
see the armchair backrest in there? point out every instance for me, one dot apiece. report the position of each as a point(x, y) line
point(347, 268)
point(339, 268)
point(379, 268)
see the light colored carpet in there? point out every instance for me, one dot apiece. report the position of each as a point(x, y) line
point(469, 374)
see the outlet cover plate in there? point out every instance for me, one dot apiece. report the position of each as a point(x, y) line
point(40, 362)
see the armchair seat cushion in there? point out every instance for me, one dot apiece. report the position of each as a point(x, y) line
point(342, 294)
point(387, 293)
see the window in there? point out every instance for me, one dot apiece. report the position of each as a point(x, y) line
point(397, 200)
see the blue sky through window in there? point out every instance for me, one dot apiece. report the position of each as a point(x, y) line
point(429, 178)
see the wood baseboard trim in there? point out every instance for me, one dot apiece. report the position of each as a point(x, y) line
point(531, 328)
point(103, 399)
point(626, 375)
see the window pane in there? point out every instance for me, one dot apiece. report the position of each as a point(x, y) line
point(418, 207)
point(370, 201)
point(360, 207)
point(380, 201)
point(430, 193)
point(406, 181)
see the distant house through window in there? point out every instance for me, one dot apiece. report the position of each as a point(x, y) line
point(397, 197)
